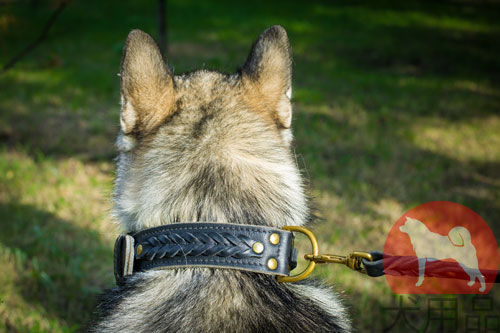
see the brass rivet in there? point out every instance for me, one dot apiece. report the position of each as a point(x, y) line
point(272, 264)
point(139, 249)
point(258, 247)
point(274, 239)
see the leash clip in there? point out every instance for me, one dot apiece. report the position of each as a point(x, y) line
point(353, 260)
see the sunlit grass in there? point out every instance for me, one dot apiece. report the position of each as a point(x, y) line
point(55, 224)
point(470, 140)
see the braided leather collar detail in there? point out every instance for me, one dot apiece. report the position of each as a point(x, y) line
point(217, 245)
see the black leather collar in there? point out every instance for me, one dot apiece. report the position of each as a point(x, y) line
point(217, 245)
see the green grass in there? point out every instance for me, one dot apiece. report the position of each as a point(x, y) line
point(396, 103)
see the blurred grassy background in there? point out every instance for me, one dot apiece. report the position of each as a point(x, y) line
point(396, 103)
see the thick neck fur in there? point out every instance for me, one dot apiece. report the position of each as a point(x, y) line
point(213, 160)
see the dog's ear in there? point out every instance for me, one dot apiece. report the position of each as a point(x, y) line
point(146, 85)
point(267, 76)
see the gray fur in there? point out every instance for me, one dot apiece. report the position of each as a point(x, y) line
point(222, 153)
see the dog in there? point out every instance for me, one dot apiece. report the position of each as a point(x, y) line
point(211, 147)
point(430, 246)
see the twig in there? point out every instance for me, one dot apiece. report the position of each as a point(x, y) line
point(39, 39)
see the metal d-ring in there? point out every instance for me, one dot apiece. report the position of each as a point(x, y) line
point(312, 264)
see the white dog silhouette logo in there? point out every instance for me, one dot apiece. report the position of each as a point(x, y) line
point(430, 246)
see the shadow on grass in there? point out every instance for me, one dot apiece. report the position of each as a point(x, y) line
point(51, 118)
point(60, 267)
point(374, 161)
point(393, 56)
point(369, 163)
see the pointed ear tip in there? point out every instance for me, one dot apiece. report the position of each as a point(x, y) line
point(278, 27)
point(134, 34)
point(277, 31)
point(137, 35)
point(139, 44)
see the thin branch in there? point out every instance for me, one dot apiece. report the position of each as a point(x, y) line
point(39, 39)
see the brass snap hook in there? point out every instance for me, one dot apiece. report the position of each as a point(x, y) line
point(353, 260)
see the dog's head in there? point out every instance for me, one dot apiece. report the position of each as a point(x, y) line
point(412, 226)
point(207, 146)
